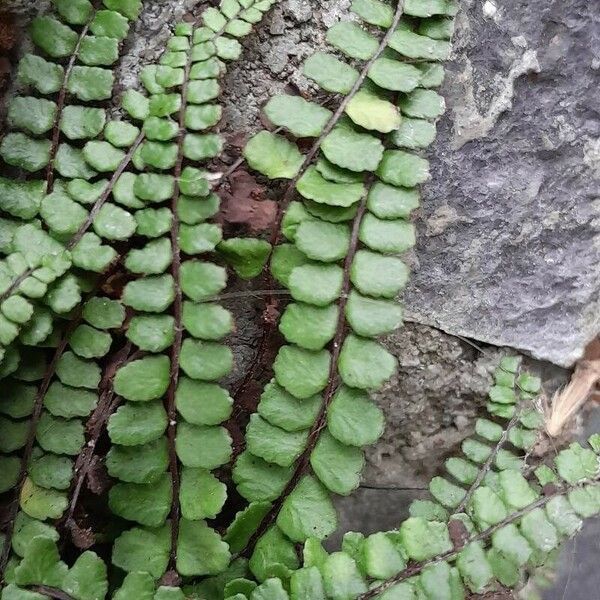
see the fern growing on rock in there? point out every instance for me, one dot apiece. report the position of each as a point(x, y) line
point(356, 188)
point(87, 381)
point(118, 472)
point(496, 516)
point(172, 311)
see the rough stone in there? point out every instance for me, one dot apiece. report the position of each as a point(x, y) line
point(576, 576)
point(372, 509)
point(24, 9)
point(430, 405)
point(509, 231)
point(150, 32)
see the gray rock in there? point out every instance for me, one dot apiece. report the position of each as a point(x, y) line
point(372, 509)
point(509, 231)
point(432, 402)
point(150, 33)
point(577, 575)
point(292, 31)
point(24, 8)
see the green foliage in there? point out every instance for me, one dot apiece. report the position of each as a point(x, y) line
point(146, 358)
point(340, 274)
point(30, 146)
point(507, 525)
point(296, 115)
point(198, 403)
point(138, 459)
point(272, 155)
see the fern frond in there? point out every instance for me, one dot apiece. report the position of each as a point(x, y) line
point(116, 432)
point(117, 357)
point(355, 190)
point(68, 397)
point(178, 302)
point(69, 84)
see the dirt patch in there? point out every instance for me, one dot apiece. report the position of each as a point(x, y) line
point(9, 36)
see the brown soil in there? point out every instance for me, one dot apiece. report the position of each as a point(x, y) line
point(9, 35)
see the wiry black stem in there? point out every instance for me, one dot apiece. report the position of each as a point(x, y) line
point(60, 105)
point(178, 326)
point(12, 288)
point(241, 160)
point(106, 192)
point(491, 459)
point(51, 592)
point(95, 426)
point(288, 195)
point(337, 115)
point(487, 465)
point(303, 462)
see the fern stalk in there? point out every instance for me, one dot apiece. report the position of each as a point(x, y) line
point(106, 192)
point(177, 313)
point(337, 115)
point(51, 592)
point(303, 465)
point(61, 102)
point(26, 455)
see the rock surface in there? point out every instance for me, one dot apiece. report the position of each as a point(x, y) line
point(509, 245)
point(432, 402)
